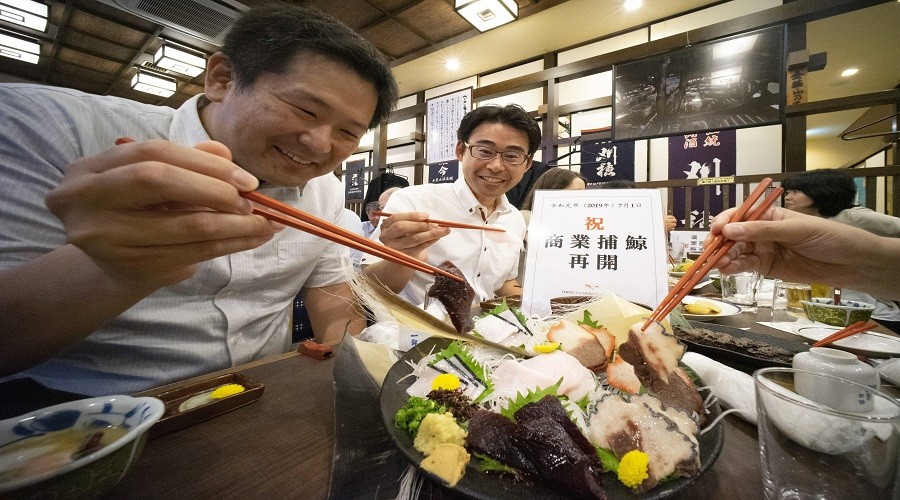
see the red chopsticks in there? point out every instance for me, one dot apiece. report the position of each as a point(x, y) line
point(303, 221)
point(714, 252)
point(447, 223)
point(847, 331)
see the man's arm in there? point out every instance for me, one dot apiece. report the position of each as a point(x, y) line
point(797, 247)
point(510, 287)
point(333, 310)
point(138, 217)
point(409, 233)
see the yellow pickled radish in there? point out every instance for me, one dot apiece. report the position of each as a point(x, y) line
point(445, 381)
point(226, 390)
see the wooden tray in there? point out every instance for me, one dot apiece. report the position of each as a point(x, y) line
point(173, 419)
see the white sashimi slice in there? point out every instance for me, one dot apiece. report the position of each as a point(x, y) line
point(494, 329)
point(512, 377)
point(577, 382)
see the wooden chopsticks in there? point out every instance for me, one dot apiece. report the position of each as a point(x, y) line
point(275, 210)
point(847, 331)
point(714, 252)
point(447, 223)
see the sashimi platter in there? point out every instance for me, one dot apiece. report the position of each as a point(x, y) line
point(590, 403)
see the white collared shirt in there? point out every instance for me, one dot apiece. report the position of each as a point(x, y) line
point(487, 258)
point(235, 308)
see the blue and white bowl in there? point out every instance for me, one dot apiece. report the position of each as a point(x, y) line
point(94, 473)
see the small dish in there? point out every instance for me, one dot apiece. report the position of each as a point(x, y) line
point(173, 395)
point(93, 473)
point(871, 344)
point(823, 310)
point(726, 308)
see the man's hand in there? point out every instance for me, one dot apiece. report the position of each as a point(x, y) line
point(148, 212)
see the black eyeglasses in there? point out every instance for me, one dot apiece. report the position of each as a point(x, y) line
point(488, 153)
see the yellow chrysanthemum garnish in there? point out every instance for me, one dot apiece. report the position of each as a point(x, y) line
point(546, 347)
point(446, 381)
point(633, 468)
point(226, 390)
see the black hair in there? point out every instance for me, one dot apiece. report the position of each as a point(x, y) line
point(269, 38)
point(552, 178)
point(617, 184)
point(830, 189)
point(511, 114)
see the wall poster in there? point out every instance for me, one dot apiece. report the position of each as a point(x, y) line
point(353, 180)
point(604, 161)
point(443, 115)
point(700, 156)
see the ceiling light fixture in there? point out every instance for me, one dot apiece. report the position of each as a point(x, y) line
point(153, 83)
point(452, 63)
point(180, 59)
point(25, 13)
point(488, 14)
point(22, 48)
point(633, 4)
point(850, 72)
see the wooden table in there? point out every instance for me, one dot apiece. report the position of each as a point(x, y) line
point(282, 445)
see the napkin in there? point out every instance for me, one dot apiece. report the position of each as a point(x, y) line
point(733, 388)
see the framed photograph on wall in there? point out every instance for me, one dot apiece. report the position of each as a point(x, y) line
point(724, 84)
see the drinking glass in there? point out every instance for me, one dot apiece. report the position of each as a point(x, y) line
point(740, 288)
point(810, 450)
point(787, 300)
point(676, 252)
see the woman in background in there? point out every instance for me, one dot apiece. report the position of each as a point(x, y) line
point(831, 193)
point(554, 178)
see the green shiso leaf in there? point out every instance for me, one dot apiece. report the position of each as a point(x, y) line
point(488, 464)
point(588, 320)
point(609, 461)
point(530, 397)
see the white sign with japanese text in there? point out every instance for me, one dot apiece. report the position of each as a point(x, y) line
point(583, 242)
point(693, 240)
point(443, 114)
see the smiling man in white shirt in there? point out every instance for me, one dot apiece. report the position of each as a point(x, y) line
point(494, 146)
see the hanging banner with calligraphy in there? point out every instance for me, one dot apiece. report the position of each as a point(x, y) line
point(588, 242)
point(443, 115)
point(353, 180)
point(700, 156)
point(443, 172)
point(604, 161)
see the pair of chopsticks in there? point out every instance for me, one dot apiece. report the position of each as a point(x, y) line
point(275, 211)
point(447, 223)
point(714, 252)
point(847, 331)
point(283, 213)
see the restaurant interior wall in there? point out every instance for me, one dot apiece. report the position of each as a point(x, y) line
point(584, 88)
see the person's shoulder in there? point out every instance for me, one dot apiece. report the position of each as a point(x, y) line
point(46, 95)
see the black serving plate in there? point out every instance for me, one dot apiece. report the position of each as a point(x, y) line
point(739, 357)
point(501, 487)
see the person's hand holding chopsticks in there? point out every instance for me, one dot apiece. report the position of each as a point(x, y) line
point(797, 247)
point(147, 212)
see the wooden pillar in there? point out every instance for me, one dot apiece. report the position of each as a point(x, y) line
point(419, 175)
point(793, 134)
point(550, 150)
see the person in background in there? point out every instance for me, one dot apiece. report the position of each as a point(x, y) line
point(372, 222)
point(145, 265)
point(831, 193)
point(797, 247)
point(669, 220)
point(370, 225)
point(494, 147)
point(553, 178)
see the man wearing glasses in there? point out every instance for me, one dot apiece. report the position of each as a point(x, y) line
point(494, 147)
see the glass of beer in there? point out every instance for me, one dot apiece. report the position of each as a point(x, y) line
point(787, 297)
point(821, 290)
